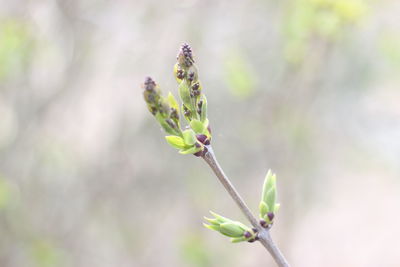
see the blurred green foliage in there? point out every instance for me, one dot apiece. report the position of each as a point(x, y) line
point(327, 19)
point(45, 254)
point(194, 251)
point(390, 46)
point(14, 47)
point(85, 176)
point(239, 76)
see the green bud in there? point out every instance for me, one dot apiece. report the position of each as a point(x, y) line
point(269, 184)
point(268, 206)
point(231, 229)
point(236, 230)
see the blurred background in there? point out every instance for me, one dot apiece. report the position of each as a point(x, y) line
point(308, 88)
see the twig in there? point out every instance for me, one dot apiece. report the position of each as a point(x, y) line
point(263, 233)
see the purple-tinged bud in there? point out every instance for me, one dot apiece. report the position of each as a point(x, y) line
point(180, 74)
point(186, 111)
point(255, 230)
point(196, 86)
point(195, 93)
point(270, 216)
point(191, 76)
point(153, 110)
point(198, 154)
point(202, 138)
point(171, 123)
point(263, 223)
point(185, 56)
point(174, 114)
point(149, 84)
point(247, 234)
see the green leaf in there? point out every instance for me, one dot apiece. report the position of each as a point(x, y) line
point(197, 126)
point(190, 150)
point(212, 221)
point(172, 101)
point(161, 119)
point(220, 218)
point(175, 141)
point(184, 93)
point(203, 115)
point(189, 137)
point(263, 209)
point(271, 197)
point(231, 229)
point(269, 182)
point(238, 239)
point(212, 227)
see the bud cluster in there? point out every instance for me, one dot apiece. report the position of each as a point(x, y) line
point(237, 231)
point(196, 136)
point(190, 89)
point(268, 206)
point(165, 110)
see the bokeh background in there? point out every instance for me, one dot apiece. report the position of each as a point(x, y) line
point(308, 88)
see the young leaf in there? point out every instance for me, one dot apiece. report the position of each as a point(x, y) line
point(212, 227)
point(197, 126)
point(190, 150)
point(203, 115)
point(172, 101)
point(175, 141)
point(184, 93)
point(161, 119)
point(189, 137)
point(231, 230)
point(269, 182)
point(220, 218)
point(212, 221)
point(271, 197)
point(263, 208)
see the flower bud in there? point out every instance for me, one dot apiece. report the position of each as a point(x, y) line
point(185, 56)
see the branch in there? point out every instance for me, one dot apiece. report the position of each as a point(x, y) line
point(263, 233)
